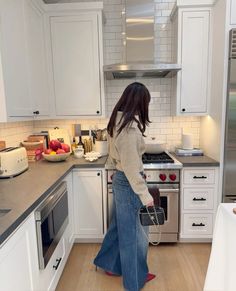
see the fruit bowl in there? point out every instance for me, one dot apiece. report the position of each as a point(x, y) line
point(56, 158)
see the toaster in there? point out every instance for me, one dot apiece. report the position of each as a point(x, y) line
point(13, 161)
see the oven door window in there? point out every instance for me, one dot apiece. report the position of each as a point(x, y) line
point(164, 202)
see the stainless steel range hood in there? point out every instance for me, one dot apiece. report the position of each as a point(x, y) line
point(139, 45)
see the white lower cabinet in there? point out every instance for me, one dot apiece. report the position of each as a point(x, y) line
point(199, 200)
point(18, 259)
point(88, 204)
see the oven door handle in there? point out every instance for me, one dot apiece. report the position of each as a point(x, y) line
point(169, 190)
point(162, 189)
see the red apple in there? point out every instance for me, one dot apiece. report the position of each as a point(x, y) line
point(65, 147)
point(55, 145)
point(47, 151)
point(60, 151)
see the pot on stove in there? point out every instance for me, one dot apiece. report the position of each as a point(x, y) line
point(153, 146)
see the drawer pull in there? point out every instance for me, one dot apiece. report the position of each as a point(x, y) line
point(199, 177)
point(199, 199)
point(198, 224)
point(57, 264)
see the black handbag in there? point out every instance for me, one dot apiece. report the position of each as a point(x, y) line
point(152, 215)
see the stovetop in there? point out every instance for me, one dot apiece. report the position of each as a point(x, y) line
point(170, 162)
point(162, 158)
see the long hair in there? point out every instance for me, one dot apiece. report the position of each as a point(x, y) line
point(134, 101)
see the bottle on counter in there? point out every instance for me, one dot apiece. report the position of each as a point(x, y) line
point(80, 143)
point(73, 145)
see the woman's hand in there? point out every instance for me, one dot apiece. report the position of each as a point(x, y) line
point(151, 203)
point(154, 191)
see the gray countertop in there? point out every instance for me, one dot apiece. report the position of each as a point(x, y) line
point(23, 193)
point(197, 161)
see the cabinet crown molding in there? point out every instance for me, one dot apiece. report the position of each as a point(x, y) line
point(82, 6)
point(191, 4)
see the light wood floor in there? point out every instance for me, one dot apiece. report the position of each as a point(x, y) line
point(179, 267)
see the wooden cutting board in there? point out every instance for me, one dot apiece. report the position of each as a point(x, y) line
point(2, 144)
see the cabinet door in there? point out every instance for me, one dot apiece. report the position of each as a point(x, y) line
point(195, 61)
point(38, 77)
point(75, 53)
point(233, 12)
point(70, 228)
point(88, 203)
point(14, 58)
point(18, 259)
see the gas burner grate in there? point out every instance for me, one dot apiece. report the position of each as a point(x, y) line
point(162, 158)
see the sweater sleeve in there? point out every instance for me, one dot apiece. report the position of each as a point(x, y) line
point(127, 143)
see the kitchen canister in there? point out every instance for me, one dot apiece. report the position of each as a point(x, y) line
point(187, 141)
point(101, 146)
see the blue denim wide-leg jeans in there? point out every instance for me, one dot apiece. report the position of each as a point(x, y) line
point(124, 248)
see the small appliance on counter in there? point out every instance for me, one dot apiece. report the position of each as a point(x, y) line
point(189, 152)
point(13, 161)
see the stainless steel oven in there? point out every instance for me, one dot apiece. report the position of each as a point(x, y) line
point(162, 171)
point(169, 200)
point(51, 220)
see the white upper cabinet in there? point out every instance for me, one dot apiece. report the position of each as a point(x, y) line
point(14, 58)
point(233, 12)
point(76, 58)
point(192, 28)
point(38, 77)
point(23, 75)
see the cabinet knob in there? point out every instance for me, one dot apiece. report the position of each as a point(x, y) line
point(36, 112)
point(98, 174)
point(97, 111)
point(183, 109)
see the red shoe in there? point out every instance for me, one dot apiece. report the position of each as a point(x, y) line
point(111, 274)
point(150, 277)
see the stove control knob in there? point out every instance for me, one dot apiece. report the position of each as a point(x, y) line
point(111, 177)
point(172, 177)
point(162, 177)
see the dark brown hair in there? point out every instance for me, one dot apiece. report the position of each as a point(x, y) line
point(134, 101)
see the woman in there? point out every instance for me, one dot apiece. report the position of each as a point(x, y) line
point(124, 249)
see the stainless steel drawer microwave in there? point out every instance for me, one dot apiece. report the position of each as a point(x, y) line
point(51, 220)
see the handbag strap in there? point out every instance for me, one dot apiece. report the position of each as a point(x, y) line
point(158, 227)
